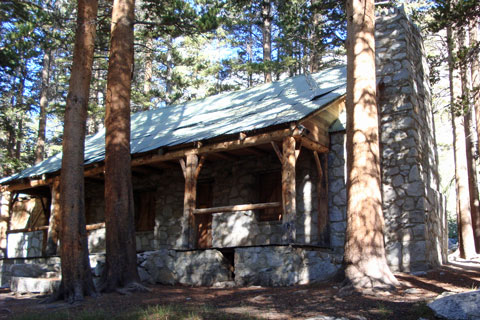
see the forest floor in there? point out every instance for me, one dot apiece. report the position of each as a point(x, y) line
point(297, 302)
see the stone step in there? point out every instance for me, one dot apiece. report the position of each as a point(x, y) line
point(34, 285)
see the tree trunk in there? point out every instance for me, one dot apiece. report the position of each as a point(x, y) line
point(20, 109)
point(466, 240)
point(54, 222)
point(121, 258)
point(169, 73)
point(469, 139)
point(365, 263)
point(475, 83)
point(314, 56)
point(475, 74)
point(147, 80)
point(76, 275)
point(42, 121)
point(267, 38)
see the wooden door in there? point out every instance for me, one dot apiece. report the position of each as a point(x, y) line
point(204, 221)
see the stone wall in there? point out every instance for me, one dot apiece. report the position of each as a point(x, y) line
point(25, 244)
point(266, 266)
point(9, 267)
point(235, 183)
point(337, 192)
point(413, 208)
point(283, 266)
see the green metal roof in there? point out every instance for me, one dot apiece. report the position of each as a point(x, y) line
point(241, 111)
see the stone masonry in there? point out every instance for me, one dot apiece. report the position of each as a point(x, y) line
point(414, 213)
point(413, 208)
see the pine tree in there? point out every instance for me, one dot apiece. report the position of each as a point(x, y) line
point(121, 258)
point(365, 263)
point(76, 276)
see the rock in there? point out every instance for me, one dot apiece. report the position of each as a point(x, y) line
point(326, 318)
point(27, 270)
point(34, 285)
point(144, 276)
point(413, 291)
point(224, 284)
point(457, 306)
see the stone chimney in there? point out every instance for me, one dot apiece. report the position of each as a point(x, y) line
point(413, 207)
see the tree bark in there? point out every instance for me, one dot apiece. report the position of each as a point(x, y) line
point(267, 38)
point(466, 240)
point(475, 74)
point(314, 55)
point(20, 112)
point(54, 222)
point(76, 275)
point(469, 139)
point(42, 121)
point(475, 83)
point(365, 263)
point(288, 190)
point(147, 80)
point(121, 258)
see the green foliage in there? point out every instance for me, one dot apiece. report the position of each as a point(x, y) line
point(452, 226)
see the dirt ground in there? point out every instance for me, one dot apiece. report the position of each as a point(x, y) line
point(298, 302)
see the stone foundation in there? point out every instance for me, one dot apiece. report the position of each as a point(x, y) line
point(283, 266)
point(265, 266)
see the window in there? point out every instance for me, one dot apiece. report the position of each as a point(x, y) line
point(270, 190)
point(144, 210)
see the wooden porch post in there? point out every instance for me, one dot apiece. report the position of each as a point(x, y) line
point(191, 169)
point(322, 191)
point(288, 189)
point(53, 233)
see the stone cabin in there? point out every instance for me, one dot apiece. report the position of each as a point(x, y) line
point(249, 186)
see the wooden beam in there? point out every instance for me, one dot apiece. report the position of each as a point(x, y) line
point(239, 207)
point(322, 192)
point(28, 185)
point(277, 151)
point(184, 167)
point(28, 230)
point(199, 167)
point(298, 150)
point(255, 140)
point(218, 147)
point(96, 226)
point(314, 146)
point(288, 189)
point(188, 236)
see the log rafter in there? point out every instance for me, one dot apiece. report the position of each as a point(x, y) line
point(199, 149)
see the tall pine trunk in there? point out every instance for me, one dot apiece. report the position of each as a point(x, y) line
point(121, 258)
point(475, 83)
point(21, 110)
point(469, 136)
point(365, 263)
point(314, 54)
point(267, 38)
point(76, 274)
point(466, 240)
point(42, 117)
